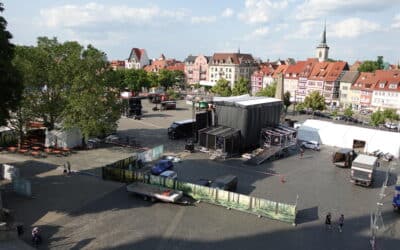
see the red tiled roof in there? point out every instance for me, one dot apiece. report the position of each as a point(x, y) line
point(366, 80)
point(301, 68)
point(137, 52)
point(177, 66)
point(327, 71)
point(389, 78)
point(235, 58)
point(117, 63)
point(281, 69)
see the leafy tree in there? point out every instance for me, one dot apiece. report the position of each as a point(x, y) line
point(172, 94)
point(241, 87)
point(391, 115)
point(377, 118)
point(348, 112)
point(335, 113)
point(92, 106)
point(372, 66)
point(300, 106)
point(314, 101)
point(11, 86)
point(222, 88)
point(286, 100)
point(269, 91)
point(153, 78)
point(368, 66)
point(136, 79)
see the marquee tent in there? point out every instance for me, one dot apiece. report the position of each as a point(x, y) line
point(344, 136)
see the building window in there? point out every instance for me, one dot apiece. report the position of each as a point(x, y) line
point(393, 86)
point(381, 85)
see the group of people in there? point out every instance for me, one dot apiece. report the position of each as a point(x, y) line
point(328, 222)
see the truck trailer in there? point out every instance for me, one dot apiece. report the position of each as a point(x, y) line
point(363, 169)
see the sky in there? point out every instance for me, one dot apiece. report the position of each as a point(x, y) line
point(268, 29)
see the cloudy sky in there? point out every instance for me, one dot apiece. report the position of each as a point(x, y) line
point(269, 29)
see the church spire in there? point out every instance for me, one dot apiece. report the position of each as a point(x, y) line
point(323, 40)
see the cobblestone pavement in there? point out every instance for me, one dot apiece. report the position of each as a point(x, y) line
point(84, 212)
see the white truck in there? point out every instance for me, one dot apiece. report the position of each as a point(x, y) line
point(363, 169)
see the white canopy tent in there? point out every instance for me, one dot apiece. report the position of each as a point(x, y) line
point(338, 135)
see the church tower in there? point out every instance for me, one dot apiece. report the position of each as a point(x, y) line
point(322, 49)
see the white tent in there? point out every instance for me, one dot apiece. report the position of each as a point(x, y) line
point(63, 138)
point(338, 135)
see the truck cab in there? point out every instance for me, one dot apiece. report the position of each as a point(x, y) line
point(181, 129)
point(363, 169)
point(343, 157)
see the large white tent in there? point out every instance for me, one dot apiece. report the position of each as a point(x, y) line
point(338, 135)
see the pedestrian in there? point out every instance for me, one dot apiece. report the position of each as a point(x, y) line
point(301, 152)
point(341, 221)
point(68, 167)
point(328, 221)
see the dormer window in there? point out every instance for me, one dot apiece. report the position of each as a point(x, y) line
point(393, 86)
point(381, 85)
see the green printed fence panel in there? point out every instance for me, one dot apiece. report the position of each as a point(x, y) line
point(157, 152)
point(241, 202)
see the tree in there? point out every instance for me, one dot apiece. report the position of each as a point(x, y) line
point(11, 86)
point(372, 66)
point(368, 66)
point(391, 115)
point(136, 79)
point(377, 118)
point(92, 106)
point(314, 101)
point(286, 100)
point(348, 112)
point(222, 88)
point(241, 87)
point(269, 91)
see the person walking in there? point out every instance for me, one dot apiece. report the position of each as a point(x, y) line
point(301, 152)
point(341, 221)
point(328, 221)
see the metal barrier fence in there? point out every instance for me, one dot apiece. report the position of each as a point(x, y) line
point(258, 206)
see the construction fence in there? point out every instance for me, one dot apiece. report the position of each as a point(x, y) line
point(136, 161)
point(258, 206)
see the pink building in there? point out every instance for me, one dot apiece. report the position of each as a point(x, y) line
point(196, 69)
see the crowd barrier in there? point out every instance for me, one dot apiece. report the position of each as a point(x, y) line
point(258, 206)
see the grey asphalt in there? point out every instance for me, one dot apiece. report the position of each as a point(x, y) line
point(84, 212)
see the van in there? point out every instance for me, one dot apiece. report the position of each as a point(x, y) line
point(227, 182)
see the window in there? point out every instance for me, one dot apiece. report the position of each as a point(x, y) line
point(381, 85)
point(393, 86)
point(345, 88)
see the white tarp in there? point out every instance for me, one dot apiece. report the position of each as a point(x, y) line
point(343, 136)
point(63, 138)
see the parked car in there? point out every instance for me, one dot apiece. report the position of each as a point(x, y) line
point(227, 182)
point(311, 145)
point(339, 117)
point(169, 174)
point(161, 166)
point(387, 157)
point(203, 182)
point(391, 125)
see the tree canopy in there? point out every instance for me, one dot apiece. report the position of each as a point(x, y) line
point(377, 118)
point(286, 100)
point(269, 91)
point(391, 115)
point(315, 101)
point(11, 86)
point(222, 88)
point(348, 112)
point(241, 87)
point(371, 66)
point(69, 84)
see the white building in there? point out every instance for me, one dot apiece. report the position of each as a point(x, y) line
point(231, 67)
point(138, 59)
